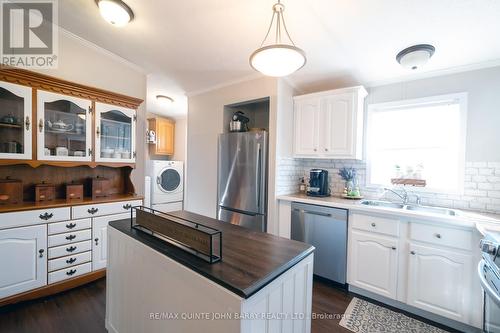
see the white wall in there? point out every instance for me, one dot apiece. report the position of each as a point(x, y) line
point(205, 122)
point(180, 140)
point(483, 114)
point(85, 63)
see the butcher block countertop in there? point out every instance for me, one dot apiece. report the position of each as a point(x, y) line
point(250, 259)
point(31, 205)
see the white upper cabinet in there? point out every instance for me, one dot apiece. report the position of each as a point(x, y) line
point(64, 127)
point(15, 121)
point(306, 119)
point(329, 124)
point(115, 134)
point(24, 259)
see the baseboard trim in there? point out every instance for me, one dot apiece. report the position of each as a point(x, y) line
point(415, 311)
point(54, 288)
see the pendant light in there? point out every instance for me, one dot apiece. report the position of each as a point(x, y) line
point(280, 58)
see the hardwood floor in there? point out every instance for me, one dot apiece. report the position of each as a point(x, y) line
point(82, 310)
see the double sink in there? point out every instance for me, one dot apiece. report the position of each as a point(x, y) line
point(425, 209)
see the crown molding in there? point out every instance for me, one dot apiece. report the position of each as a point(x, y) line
point(435, 73)
point(103, 51)
point(242, 79)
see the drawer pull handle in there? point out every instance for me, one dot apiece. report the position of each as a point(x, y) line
point(71, 260)
point(394, 248)
point(438, 236)
point(46, 216)
point(71, 248)
point(70, 225)
point(92, 210)
point(374, 225)
point(96, 241)
point(71, 272)
point(412, 253)
point(127, 206)
point(70, 237)
point(41, 251)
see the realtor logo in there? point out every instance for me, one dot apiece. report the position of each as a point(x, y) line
point(29, 33)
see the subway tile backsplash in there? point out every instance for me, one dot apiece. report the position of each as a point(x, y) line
point(481, 187)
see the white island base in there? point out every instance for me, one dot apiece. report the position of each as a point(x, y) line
point(146, 291)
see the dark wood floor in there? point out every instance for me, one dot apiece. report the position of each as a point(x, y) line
point(82, 310)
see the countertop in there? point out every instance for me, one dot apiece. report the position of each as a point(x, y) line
point(464, 218)
point(250, 259)
point(31, 205)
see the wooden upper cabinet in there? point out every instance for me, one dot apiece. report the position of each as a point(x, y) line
point(165, 131)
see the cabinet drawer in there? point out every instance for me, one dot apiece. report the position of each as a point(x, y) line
point(69, 261)
point(60, 227)
point(381, 225)
point(86, 211)
point(74, 248)
point(457, 238)
point(70, 237)
point(32, 217)
point(69, 272)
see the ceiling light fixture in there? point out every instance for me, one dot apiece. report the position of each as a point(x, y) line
point(278, 59)
point(164, 99)
point(415, 56)
point(115, 12)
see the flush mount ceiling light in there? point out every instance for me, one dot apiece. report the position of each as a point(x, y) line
point(280, 58)
point(415, 56)
point(115, 12)
point(164, 99)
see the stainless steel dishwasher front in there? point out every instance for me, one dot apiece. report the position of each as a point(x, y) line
point(326, 229)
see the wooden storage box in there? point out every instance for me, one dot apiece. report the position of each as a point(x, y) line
point(45, 192)
point(74, 191)
point(11, 192)
point(99, 187)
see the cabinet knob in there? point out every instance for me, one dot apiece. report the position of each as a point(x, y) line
point(71, 260)
point(394, 248)
point(97, 131)
point(374, 225)
point(41, 251)
point(71, 225)
point(40, 125)
point(70, 237)
point(438, 236)
point(412, 253)
point(71, 249)
point(27, 123)
point(315, 149)
point(92, 210)
point(96, 241)
point(127, 206)
point(46, 216)
point(326, 149)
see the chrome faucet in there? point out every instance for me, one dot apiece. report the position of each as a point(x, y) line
point(403, 195)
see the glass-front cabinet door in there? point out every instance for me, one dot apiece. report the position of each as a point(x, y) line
point(64, 127)
point(15, 121)
point(115, 134)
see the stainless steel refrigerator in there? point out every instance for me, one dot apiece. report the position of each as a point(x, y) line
point(242, 179)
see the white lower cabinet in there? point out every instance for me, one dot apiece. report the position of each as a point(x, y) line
point(100, 239)
point(374, 263)
point(23, 259)
point(439, 281)
point(430, 267)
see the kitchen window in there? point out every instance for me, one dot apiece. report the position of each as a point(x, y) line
point(418, 139)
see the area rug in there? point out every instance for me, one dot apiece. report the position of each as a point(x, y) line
point(364, 317)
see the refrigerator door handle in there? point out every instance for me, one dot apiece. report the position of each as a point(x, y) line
point(258, 175)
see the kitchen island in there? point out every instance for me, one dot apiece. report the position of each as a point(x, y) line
point(262, 284)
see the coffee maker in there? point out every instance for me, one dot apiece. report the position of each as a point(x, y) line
point(318, 183)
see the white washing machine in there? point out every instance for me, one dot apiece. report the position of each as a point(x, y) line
point(167, 185)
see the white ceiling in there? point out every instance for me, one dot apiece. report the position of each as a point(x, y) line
point(192, 45)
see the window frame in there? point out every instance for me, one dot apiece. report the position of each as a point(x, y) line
point(459, 98)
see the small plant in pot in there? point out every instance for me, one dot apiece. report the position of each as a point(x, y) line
point(349, 175)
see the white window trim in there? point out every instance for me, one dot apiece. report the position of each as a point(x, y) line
point(461, 98)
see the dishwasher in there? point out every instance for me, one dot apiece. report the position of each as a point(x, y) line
point(326, 229)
